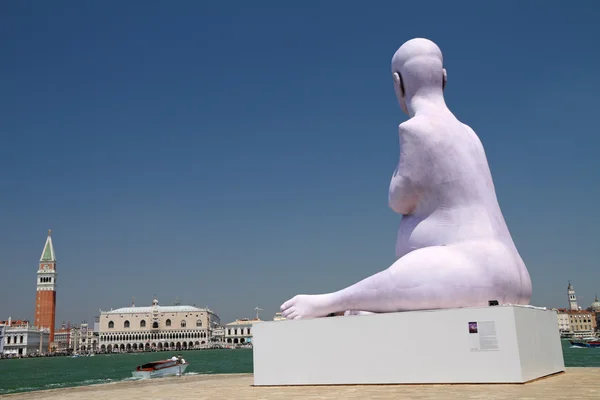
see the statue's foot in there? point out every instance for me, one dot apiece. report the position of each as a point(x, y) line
point(307, 306)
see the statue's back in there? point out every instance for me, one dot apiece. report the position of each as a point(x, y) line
point(458, 206)
point(458, 200)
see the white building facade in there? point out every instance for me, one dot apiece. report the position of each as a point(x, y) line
point(239, 331)
point(83, 339)
point(156, 328)
point(564, 326)
point(62, 340)
point(2, 328)
point(24, 339)
point(218, 335)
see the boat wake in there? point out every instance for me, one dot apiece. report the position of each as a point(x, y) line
point(50, 386)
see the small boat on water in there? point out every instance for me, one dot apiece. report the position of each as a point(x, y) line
point(585, 343)
point(161, 368)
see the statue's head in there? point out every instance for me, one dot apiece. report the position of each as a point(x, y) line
point(417, 69)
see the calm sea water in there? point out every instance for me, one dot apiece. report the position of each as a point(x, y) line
point(56, 372)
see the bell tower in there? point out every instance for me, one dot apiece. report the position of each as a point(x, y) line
point(45, 301)
point(572, 298)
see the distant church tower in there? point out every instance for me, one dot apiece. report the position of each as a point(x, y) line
point(45, 300)
point(572, 298)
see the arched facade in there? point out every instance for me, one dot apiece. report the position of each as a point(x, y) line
point(239, 332)
point(156, 328)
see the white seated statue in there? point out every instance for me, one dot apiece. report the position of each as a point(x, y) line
point(453, 247)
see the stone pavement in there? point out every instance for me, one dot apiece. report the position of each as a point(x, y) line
point(576, 383)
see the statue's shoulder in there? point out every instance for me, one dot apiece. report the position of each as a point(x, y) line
point(417, 130)
point(473, 136)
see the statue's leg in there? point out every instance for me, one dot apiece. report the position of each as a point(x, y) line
point(427, 278)
point(356, 312)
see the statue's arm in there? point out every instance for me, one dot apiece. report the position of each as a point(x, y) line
point(407, 180)
point(403, 197)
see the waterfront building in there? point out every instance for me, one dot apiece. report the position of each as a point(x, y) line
point(576, 322)
point(62, 338)
point(156, 327)
point(240, 331)
point(564, 325)
point(279, 317)
point(218, 335)
point(2, 328)
point(45, 301)
point(582, 322)
point(83, 339)
point(21, 338)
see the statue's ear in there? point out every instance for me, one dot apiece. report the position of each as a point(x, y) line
point(398, 81)
point(444, 78)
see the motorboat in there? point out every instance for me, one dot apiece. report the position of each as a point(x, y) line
point(161, 368)
point(585, 343)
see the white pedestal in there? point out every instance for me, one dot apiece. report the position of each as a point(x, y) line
point(512, 344)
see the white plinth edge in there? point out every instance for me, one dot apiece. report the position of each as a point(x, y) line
point(499, 344)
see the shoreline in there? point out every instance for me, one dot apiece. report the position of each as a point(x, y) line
point(576, 382)
point(117, 385)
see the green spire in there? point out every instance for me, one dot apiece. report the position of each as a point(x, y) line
point(48, 253)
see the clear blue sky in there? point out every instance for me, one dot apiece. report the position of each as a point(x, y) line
point(236, 154)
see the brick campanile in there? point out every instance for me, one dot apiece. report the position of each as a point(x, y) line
point(45, 300)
